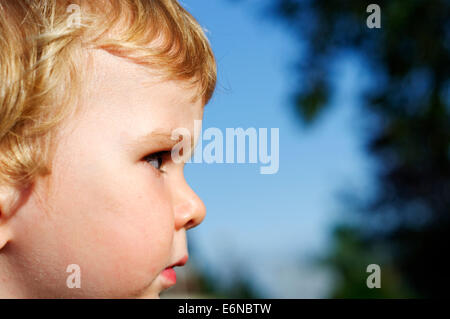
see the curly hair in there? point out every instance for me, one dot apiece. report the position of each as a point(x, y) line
point(41, 65)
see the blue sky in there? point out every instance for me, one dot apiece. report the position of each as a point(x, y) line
point(271, 225)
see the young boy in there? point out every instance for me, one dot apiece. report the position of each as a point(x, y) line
point(92, 205)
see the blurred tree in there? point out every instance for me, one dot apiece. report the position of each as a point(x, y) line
point(407, 219)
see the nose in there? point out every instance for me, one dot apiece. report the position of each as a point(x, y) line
point(190, 211)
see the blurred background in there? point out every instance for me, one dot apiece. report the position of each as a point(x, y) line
point(364, 174)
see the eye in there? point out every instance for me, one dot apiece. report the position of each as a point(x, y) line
point(156, 159)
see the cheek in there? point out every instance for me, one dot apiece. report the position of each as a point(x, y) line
point(129, 230)
point(119, 230)
point(138, 232)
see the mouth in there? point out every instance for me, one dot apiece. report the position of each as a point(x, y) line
point(169, 273)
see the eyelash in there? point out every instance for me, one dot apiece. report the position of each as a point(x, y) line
point(158, 158)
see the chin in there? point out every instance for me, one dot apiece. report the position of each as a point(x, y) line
point(152, 295)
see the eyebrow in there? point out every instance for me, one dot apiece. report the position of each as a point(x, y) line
point(157, 137)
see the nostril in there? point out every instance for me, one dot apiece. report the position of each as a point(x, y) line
point(190, 224)
point(190, 213)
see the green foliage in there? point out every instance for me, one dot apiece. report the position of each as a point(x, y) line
point(409, 62)
point(350, 257)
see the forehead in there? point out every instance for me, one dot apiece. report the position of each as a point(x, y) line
point(116, 73)
point(128, 92)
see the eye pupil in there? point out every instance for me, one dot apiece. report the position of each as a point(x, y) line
point(155, 160)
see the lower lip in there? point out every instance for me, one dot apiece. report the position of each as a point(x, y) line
point(170, 274)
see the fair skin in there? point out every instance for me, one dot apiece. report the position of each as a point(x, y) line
point(119, 215)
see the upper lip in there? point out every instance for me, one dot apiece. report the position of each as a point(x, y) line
point(180, 262)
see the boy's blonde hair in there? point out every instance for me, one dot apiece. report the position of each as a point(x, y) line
point(41, 42)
